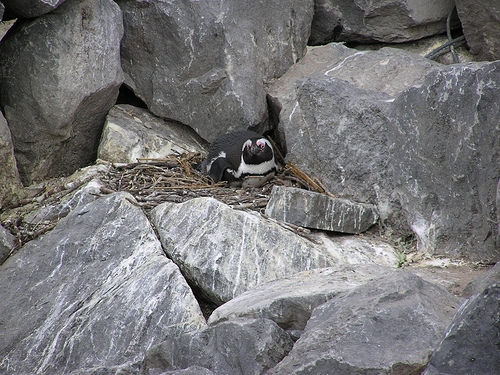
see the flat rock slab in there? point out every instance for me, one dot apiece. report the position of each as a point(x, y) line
point(95, 291)
point(290, 301)
point(388, 326)
point(131, 133)
point(225, 252)
point(319, 211)
point(470, 345)
point(238, 347)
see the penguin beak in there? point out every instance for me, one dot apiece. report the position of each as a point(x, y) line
point(254, 149)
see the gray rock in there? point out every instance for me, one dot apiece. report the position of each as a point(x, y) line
point(191, 370)
point(386, 70)
point(316, 112)
point(31, 8)
point(389, 326)
point(319, 211)
point(131, 133)
point(353, 250)
point(59, 209)
point(2, 10)
point(229, 348)
point(56, 114)
point(446, 160)
point(96, 291)
point(9, 176)
point(7, 244)
point(483, 281)
point(225, 252)
point(204, 63)
point(383, 21)
point(341, 135)
point(480, 22)
point(470, 344)
point(289, 301)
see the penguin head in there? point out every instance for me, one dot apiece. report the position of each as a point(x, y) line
point(257, 150)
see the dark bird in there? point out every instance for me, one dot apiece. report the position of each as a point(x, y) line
point(239, 154)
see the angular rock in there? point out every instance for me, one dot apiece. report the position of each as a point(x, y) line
point(480, 23)
point(389, 326)
point(204, 63)
point(340, 133)
point(10, 183)
point(7, 244)
point(483, 281)
point(225, 252)
point(319, 211)
point(383, 21)
point(289, 301)
point(96, 291)
point(229, 348)
point(31, 8)
point(56, 114)
point(131, 133)
point(386, 70)
point(470, 345)
point(445, 154)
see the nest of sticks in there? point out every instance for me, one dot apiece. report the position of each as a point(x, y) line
point(177, 179)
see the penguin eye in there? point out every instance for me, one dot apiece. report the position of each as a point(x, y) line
point(261, 144)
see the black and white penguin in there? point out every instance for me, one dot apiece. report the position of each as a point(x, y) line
point(239, 154)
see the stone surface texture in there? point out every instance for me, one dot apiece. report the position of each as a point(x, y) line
point(247, 346)
point(132, 133)
point(470, 344)
point(225, 252)
point(31, 8)
point(7, 243)
point(480, 21)
point(382, 21)
point(371, 317)
point(319, 211)
point(289, 301)
point(95, 291)
point(446, 159)
point(204, 64)
point(10, 181)
point(56, 114)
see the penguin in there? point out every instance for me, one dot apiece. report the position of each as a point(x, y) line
point(239, 154)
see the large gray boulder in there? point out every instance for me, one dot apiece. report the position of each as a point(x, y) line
point(59, 76)
point(480, 22)
point(238, 347)
point(341, 135)
point(470, 344)
point(313, 210)
point(382, 21)
point(388, 326)
point(131, 133)
point(339, 130)
point(289, 301)
point(10, 182)
point(225, 252)
point(446, 160)
point(205, 63)
point(96, 291)
point(31, 8)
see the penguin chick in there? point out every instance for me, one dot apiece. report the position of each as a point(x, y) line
point(239, 154)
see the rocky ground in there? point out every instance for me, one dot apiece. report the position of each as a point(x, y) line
point(372, 251)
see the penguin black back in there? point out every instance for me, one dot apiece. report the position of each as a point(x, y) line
point(238, 154)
